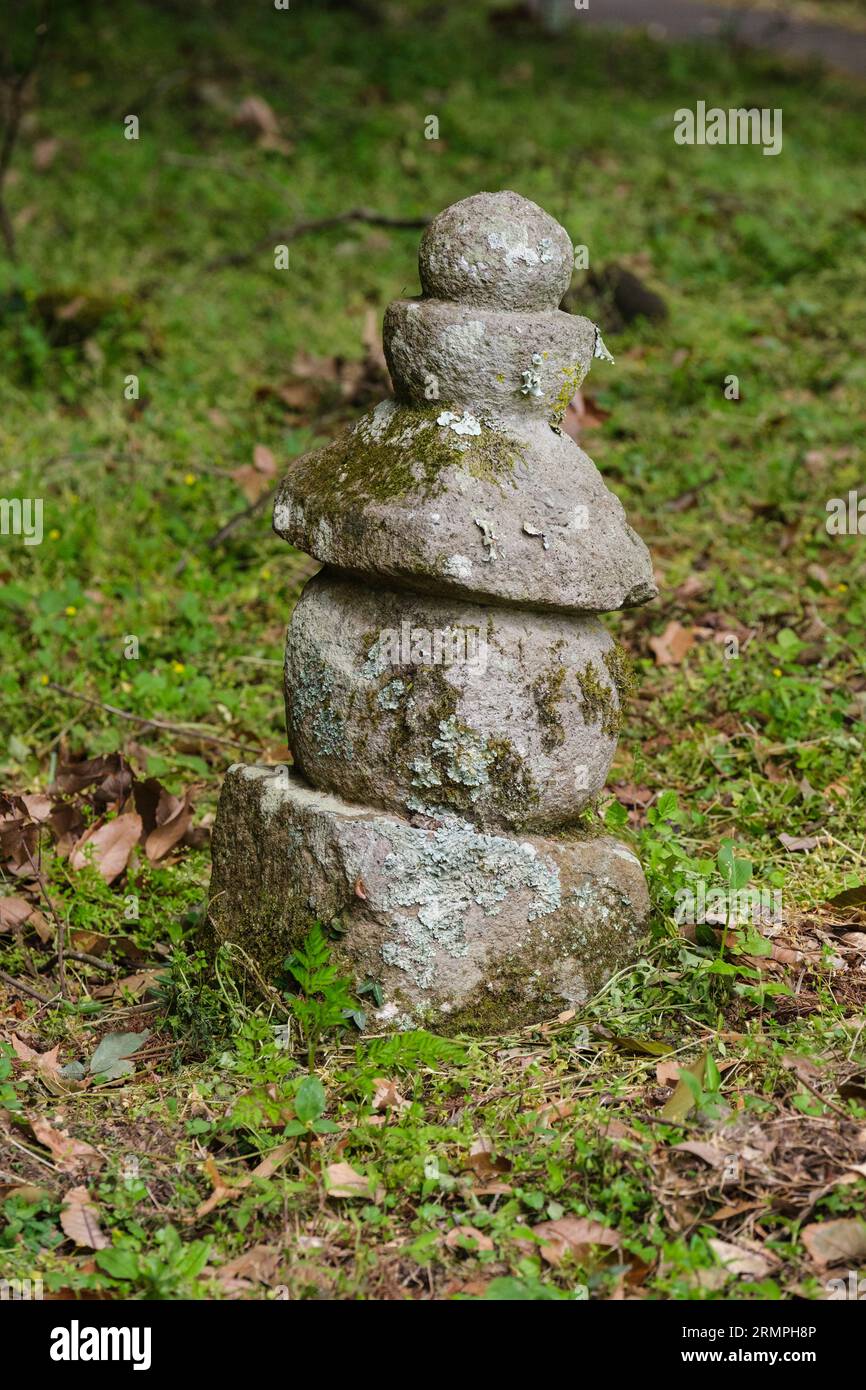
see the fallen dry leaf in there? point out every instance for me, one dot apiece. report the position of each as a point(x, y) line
point(481, 1159)
point(47, 1061)
point(387, 1096)
point(341, 1180)
point(47, 1065)
point(792, 843)
point(583, 413)
point(44, 153)
point(670, 648)
point(27, 1191)
point(691, 587)
point(668, 1072)
point(70, 1153)
point(251, 482)
point(682, 1102)
point(132, 984)
point(108, 846)
point(223, 1191)
point(573, 1235)
point(371, 337)
point(254, 114)
point(260, 1263)
point(108, 774)
point(14, 912)
point(708, 1152)
point(173, 819)
point(851, 897)
point(835, 1242)
point(735, 1209)
point(79, 1218)
point(264, 460)
point(736, 1260)
point(559, 1110)
point(456, 1239)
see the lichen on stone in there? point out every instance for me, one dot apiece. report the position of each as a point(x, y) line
point(310, 701)
point(458, 763)
point(530, 379)
point(391, 695)
point(460, 424)
point(488, 538)
point(464, 753)
point(458, 566)
point(572, 380)
point(442, 874)
point(600, 350)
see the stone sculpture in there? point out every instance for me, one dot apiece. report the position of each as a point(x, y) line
point(452, 699)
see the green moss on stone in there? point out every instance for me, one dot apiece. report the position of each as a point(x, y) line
point(514, 788)
point(572, 379)
point(599, 703)
point(621, 671)
point(546, 692)
point(406, 454)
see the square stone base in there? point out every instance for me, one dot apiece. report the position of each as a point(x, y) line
point(462, 930)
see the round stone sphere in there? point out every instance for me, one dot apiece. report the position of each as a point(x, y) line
point(498, 250)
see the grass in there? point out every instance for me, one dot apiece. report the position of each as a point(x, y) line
point(757, 259)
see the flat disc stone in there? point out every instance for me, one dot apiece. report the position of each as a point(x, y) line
point(509, 512)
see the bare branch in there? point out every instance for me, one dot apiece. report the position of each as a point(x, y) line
point(320, 224)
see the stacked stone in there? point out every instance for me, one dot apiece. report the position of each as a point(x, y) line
point(452, 700)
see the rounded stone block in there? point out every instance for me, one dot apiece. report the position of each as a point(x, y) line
point(497, 249)
point(496, 510)
point(463, 931)
point(523, 363)
point(433, 707)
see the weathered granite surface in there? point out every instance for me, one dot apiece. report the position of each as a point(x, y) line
point(462, 929)
point(505, 717)
point(497, 249)
point(516, 514)
point(452, 702)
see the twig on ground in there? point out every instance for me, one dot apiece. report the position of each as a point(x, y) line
point(86, 959)
point(28, 1149)
point(59, 926)
point(836, 1109)
point(319, 224)
point(25, 989)
point(235, 521)
point(61, 962)
point(188, 730)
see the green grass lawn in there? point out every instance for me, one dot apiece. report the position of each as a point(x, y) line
point(124, 269)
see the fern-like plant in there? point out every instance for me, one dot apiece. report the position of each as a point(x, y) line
point(324, 1001)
